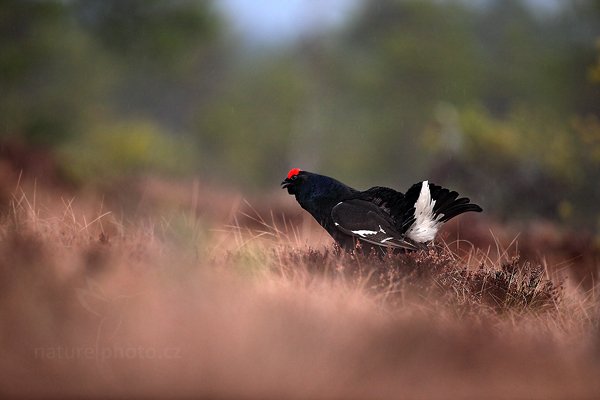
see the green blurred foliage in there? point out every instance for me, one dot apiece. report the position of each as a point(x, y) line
point(243, 134)
point(527, 164)
point(594, 73)
point(522, 158)
point(357, 104)
point(74, 70)
point(48, 72)
point(124, 149)
point(138, 29)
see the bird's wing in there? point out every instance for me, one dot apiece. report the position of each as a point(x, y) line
point(397, 205)
point(369, 223)
point(386, 198)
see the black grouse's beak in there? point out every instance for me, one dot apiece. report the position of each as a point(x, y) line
point(286, 183)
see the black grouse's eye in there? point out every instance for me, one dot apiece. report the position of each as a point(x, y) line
point(294, 177)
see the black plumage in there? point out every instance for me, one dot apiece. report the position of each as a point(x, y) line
point(379, 217)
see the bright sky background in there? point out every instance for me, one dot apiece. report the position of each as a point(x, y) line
point(283, 20)
point(276, 21)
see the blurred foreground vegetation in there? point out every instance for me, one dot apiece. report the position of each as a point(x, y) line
point(95, 304)
point(500, 100)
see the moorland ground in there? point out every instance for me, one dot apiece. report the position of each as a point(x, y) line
point(193, 291)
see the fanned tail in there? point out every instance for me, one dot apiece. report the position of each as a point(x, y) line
point(448, 205)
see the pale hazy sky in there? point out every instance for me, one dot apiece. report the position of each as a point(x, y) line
point(275, 21)
point(281, 20)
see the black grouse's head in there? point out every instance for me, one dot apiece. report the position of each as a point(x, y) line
point(295, 178)
point(307, 185)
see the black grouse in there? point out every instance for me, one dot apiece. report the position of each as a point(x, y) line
point(379, 217)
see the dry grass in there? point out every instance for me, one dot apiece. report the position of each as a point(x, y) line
point(93, 304)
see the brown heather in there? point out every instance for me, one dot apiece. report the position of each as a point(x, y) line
point(176, 304)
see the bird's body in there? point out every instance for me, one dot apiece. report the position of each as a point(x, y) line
point(379, 217)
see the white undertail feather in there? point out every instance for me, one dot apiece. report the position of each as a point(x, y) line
point(426, 225)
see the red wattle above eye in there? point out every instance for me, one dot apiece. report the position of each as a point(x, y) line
point(293, 172)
